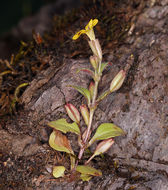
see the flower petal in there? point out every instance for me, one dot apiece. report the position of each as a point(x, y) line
point(76, 36)
point(89, 25)
point(88, 30)
point(95, 21)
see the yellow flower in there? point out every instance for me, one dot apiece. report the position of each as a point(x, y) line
point(88, 30)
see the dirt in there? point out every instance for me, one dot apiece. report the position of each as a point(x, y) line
point(139, 160)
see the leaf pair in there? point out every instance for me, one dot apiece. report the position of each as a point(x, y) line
point(60, 142)
point(86, 172)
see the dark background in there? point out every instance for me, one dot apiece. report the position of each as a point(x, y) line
point(11, 11)
point(18, 18)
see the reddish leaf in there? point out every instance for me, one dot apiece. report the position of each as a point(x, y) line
point(59, 142)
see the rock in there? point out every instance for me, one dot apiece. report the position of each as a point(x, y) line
point(6, 141)
point(140, 107)
point(20, 145)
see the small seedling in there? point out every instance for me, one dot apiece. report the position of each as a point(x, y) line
point(104, 132)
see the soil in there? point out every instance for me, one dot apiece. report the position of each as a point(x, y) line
point(133, 35)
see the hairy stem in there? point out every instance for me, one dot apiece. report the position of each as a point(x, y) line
point(89, 125)
point(92, 110)
point(87, 134)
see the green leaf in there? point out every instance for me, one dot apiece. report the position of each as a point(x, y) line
point(64, 126)
point(90, 72)
point(59, 142)
point(85, 177)
point(85, 92)
point(103, 95)
point(106, 131)
point(58, 171)
point(87, 170)
point(91, 89)
point(103, 66)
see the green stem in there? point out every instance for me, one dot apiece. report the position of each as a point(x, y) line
point(99, 67)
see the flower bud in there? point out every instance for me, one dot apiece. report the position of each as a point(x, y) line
point(91, 88)
point(117, 81)
point(85, 113)
point(94, 61)
point(72, 112)
point(96, 48)
point(99, 50)
point(103, 146)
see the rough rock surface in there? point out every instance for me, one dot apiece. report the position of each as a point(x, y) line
point(140, 107)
